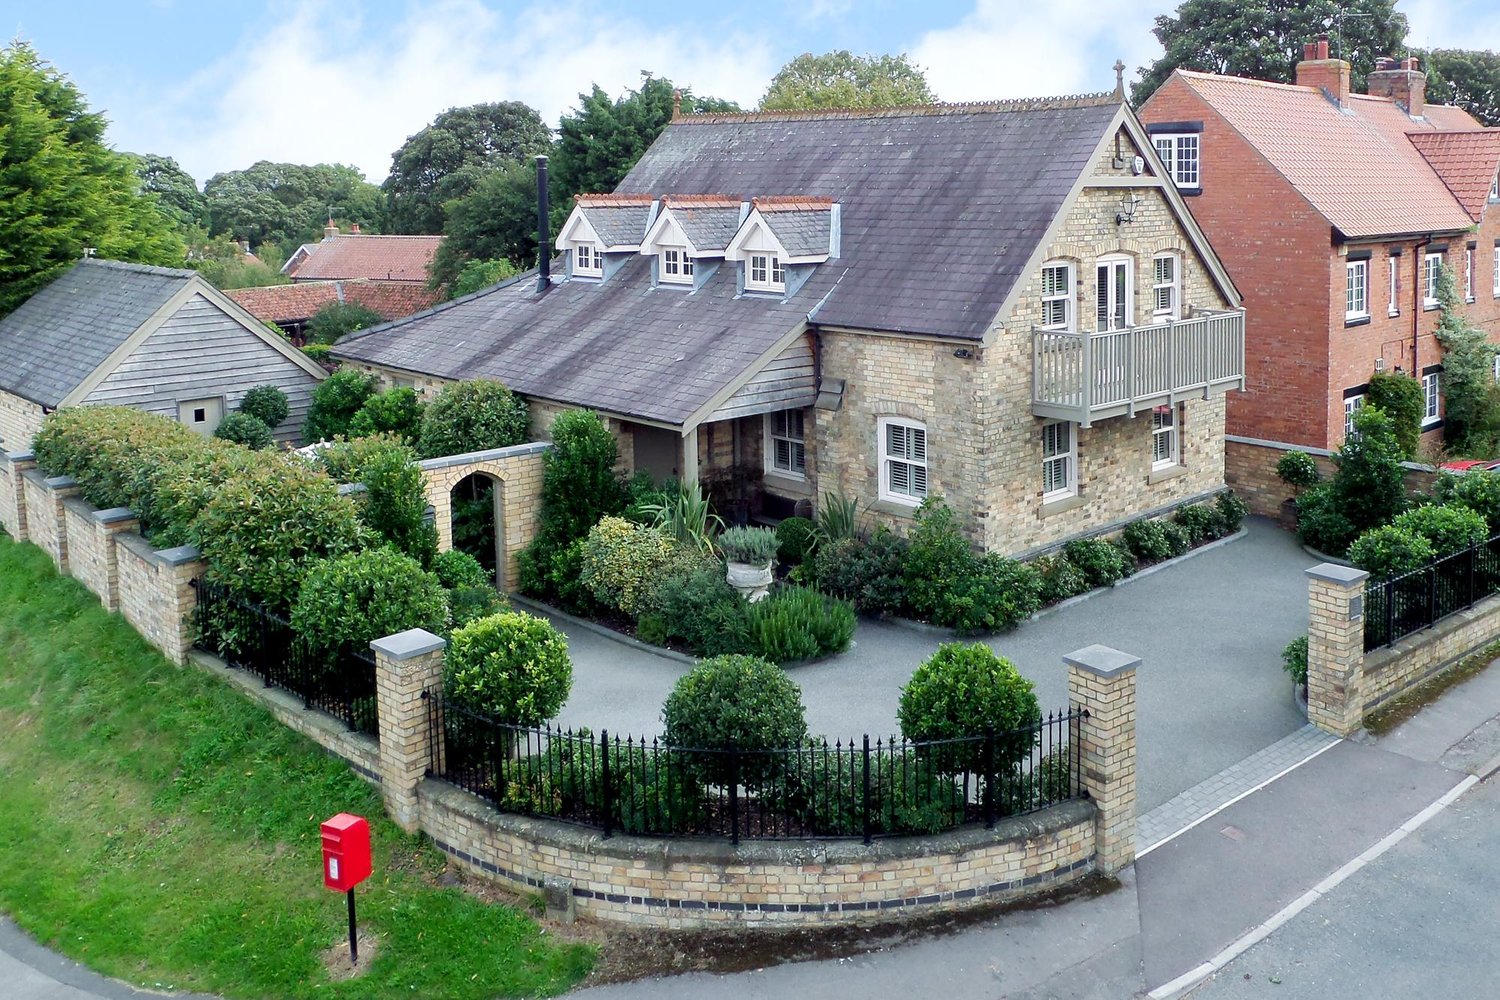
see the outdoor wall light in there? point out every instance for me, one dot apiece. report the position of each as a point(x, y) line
point(1127, 214)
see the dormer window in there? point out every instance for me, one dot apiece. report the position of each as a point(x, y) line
point(588, 261)
point(676, 266)
point(765, 273)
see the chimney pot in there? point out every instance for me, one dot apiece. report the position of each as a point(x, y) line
point(1322, 46)
point(354, 228)
point(330, 230)
point(1385, 62)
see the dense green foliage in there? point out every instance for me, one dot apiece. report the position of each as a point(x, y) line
point(243, 429)
point(62, 189)
point(623, 561)
point(1466, 78)
point(1388, 551)
point(350, 600)
point(843, 80)
point(338, 319)
point(266, 403)
point(176, 193)
point(1479, 491)
point(1447, 529)
point(1149, 541)
point(947, 584)
point(907, 794)
point(1398, 396)
point(867, 572)
point(1471, 399)
point(224, 263)
point(394, 505)
point(476, 275)
point(1102, 562)
point(335, 402)
point(474, 415)
point(965, 689)
point(513, 667)
point(1298, 469)
point(289, 203)
point(1294, 660)
point(458, 570)
point(697, 610)
point(395, 411)
point(1061, 578)
point(735, 701)
point(794, 624)
point(796, 538)
point(1366, 491)
point(495, 220)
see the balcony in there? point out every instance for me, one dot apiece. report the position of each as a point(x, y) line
point(1085, 377)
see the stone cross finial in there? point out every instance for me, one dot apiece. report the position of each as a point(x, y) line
point(1119, 78)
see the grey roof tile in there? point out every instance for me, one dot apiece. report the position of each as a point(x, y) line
point(618, 225)
point(802, 233)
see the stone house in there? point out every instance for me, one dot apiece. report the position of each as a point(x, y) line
point(1003, 304)
point(159, 339)
point(1333, 212)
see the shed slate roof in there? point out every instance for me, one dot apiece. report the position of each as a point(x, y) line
point(1466, 161)
point(365, 255)
point(1354, 164)
point(58, 337)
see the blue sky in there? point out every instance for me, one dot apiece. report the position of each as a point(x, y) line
point(219, 85)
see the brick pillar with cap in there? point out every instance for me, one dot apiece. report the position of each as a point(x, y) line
point(407, 665)
point(1336, 648)
point(1101, 682)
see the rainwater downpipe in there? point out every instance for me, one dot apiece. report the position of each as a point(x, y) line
point(1419, 269)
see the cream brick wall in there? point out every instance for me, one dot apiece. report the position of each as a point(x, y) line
point(156, 596)
point(92, 558)
point(20, 419)
point(1390, 671)
point(518, 474)
point(45, 526)
point(13, 494)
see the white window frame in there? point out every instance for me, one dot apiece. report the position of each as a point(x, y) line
point(1468, 274)
point(1432, 394)
point(1432, 268)
point(1495, 364)
point(1059, 464)
point(1497, 270)
point(791, 434)
point(1124, 311)
point(1182, 154)
point(1165, 439)
point(676, 266)
point(1495, 188)
point(1394, 264)
point(1171, 287)
point(588, 261)
point(1356, 289)
point(914, 459)
point(1055, 297)
point(1352, 405)
point(764, 273)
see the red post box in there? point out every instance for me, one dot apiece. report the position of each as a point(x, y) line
point(346, 851)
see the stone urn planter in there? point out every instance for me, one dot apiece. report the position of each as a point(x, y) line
point(753, 582)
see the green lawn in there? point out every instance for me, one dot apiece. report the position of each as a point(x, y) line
point(159, 827)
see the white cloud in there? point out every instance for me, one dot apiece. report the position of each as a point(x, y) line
point(1451, 24)
point(1062, 47)
point(330, 86)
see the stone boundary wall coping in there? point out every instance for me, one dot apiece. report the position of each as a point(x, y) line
point(1102, 660)
point(21, 456)
point(60, 482)
point(114, 515)
point(346, 489)
point(492, 455)
point(406, 645)
point(177, 556)
point(1335, 573)
point(1320, 452)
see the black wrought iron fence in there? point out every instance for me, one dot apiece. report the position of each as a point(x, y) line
point(1408, 603)
point(249, 637)
point(862, 788)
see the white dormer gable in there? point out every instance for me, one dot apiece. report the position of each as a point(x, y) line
point(666, 233)
point(578, 230)
point(813, 223)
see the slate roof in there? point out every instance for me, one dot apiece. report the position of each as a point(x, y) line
point(58, 337)
point(619, 220)
point(1466, 161)
point(297, 302)
point(364, 255)
point(804, 226)
point(1355, 165)
point(708, 221)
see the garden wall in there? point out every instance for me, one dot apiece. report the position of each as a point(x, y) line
point(156, 592)
point(1410, 661)
point(12, 492)
point(1250, 470)
point(92, 554)
point(517, 473)
point(45, 527)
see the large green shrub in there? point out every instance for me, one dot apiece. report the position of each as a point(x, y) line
point(908, 795)
point(337, 319)
point(395, 503)
point(937, 555)
point(868, 572)
point(1321, 524)
point(1100, 560)
point(350, 600)
point(1201, 521)
point(696, 608)
point(796, 537)
point(1478, 491)
point(346, 458)
point(335, 402)
point(1294, 660)
point(1369, 487)
point(109, 450)
point(513, 667)
point(1147, 540)
point(181, 485)
point(1389, 551)
point(266, 403)
point(264, 527)
point(1061, 579)
point(736, 701)
point(622, 562)
point(965, 689)
point(990, 594)
point(1471, 401)
point(395, 411)
point(457, 570)
point(1232, 511)
point(475, 415)
point(798, 623)
point(245, 430)
point(1447, 529)
point(1399, 396)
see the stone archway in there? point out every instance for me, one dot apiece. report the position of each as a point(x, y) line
point(516, 473)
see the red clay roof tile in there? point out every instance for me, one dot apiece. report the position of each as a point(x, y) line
point(1466, 161)
point(362, 255)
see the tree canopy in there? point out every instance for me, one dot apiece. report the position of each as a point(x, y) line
point(1263, 39)
point(61, 188)
point(496, 220)
point(844, 80)
point(177, 194)
point(447, 158)
point(1468, 79)
point(600, 141)
point(289, 202)
point(224, 264)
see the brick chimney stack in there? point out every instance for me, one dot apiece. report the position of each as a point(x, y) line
point(330, 230)
point(1318, 70)
point(1403, 82)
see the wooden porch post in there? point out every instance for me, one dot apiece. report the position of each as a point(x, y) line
point(690, 456)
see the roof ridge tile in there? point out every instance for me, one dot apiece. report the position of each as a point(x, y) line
point(1101, 99)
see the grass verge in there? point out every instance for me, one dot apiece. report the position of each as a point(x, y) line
point(161, 829)
point(1401, 708)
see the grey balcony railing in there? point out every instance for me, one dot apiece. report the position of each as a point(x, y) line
point(1087, 376)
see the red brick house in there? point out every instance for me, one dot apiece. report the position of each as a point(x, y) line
point(1332, 211)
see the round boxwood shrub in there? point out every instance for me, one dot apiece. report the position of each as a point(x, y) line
point(1389, 551)
point(1320, 522)
point(1232, 511)
point(513, 667)
point(795, 539)
point(472, 416)
point(394, 505)
point(965, 689)
point(396, 411)
point(456, 570)
point(739, 701)
point(243, 429)
point(799, 623)
point(1178, 540)
point(1298, 469)
point(266, 403)
point(869, 572)
point(1061, 579)
point(352, 599)
point(1448, 529)
point(622, 562)
point(1202, 522)
point(334, 404)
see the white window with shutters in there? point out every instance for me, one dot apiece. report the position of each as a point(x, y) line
point(1165, 287)
point(903, 460)
point(1057, 296)
point(1114, 294)
point(1059, 460)
point(786, 444)
point(1163, 437)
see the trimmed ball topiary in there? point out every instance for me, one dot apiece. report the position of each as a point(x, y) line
point(796, 537)
point(352, 599)
point(1298, 468)
point(457, 569)
point(472, 416)
point(965, 689)
point(266, 403)
point(513, 667)
point(739, 701)
point(245, 430)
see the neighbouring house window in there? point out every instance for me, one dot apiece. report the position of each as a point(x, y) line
point(903, 460)
point(1351, 406)
point(1164, 287)
point(676, 267)
point(1431, 392)
point(1179, 154)
point(1395, 307)
point(1113, 294)
point(1356, 289)
point(1163, 437)
point(1059, 461)
point(1496, 364)
point(766, 273)
point(1432, 268)
point(1495, 188)
point(786, 449)
point(1468, 274)
point(587, 260)
point(1057, 296)
point(1497, 270)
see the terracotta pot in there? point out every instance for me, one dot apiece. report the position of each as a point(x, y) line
point(752, 582)
point(1288, 519)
